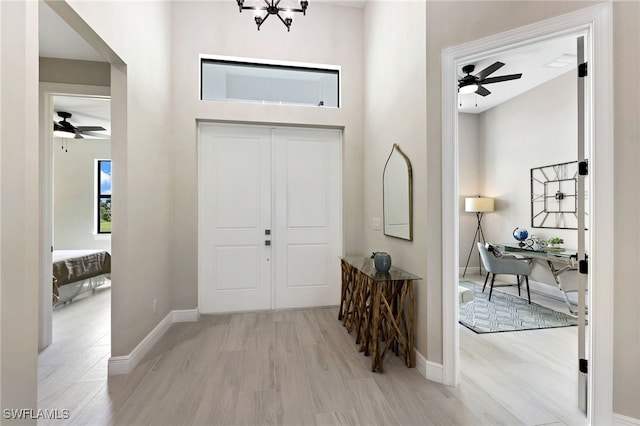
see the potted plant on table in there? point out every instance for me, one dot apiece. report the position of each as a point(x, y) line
point(553, 243)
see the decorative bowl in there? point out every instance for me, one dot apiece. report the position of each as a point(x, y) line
point(382, 261)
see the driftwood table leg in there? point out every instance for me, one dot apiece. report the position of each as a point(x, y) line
point(411, 330)
point(365, 325)
point(376, 363)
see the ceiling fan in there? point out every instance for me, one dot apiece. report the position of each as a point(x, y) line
point(474, 83)
point(64, 129)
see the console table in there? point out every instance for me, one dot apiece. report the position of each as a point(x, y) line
point(565, 257)
point(379, 307)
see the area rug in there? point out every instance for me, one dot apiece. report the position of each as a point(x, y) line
point(507, 312)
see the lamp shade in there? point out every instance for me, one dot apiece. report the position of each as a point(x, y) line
point(478, 204)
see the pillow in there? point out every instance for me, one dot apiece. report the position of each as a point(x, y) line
point(494, 250)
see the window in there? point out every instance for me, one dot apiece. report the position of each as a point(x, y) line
point(103, 197)
point(244, 81)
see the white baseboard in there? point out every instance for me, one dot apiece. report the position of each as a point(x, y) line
point(620, 420)
point(186, 315)
point(421, 364)
point(126, 363)
point(471, 270)
point(430, 370)
point(435, 372)
point(550, 290)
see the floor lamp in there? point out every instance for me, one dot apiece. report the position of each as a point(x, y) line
point(479, 206)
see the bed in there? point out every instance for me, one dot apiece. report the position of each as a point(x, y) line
point(78, 271)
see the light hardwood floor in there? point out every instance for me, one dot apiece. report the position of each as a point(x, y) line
point(296, 368)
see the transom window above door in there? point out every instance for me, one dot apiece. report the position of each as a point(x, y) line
point(240, 80)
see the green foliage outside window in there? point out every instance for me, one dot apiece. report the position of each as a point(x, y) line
point(104, 196)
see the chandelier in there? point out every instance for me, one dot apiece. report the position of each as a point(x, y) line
point(272, 8)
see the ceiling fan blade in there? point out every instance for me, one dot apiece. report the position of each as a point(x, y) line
point(95, 135)
point(489, 70)
point(78, 136)
point(89, 128)
point(501, 78)
point(482, 91)
point(66, 126)
point(59, 128)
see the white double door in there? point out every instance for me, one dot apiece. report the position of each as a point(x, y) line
point(269, 217)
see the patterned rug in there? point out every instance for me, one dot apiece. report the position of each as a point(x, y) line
point(506, 312)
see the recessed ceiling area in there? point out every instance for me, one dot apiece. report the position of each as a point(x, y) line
point(539, 62)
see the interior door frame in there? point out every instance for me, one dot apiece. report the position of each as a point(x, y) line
point(595, 21)
point(47, 91)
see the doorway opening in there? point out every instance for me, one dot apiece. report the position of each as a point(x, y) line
point(76, 99)
point(76, 321)
point(593, 22)
point(501, 142)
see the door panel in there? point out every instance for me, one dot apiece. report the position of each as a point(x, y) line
point(307, 181)
point(237, 160)
point(234, 210)
point(306, 265)
point(308, 229)
point(237, 268)
point(583, 378)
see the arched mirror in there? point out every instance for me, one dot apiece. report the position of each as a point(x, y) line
point(397, 195)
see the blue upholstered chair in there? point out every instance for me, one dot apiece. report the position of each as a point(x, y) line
point(495, 263)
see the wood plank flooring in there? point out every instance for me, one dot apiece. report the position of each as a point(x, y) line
point(298, 367)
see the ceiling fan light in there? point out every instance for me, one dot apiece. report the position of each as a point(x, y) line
point(469, 88)
point(63, 134)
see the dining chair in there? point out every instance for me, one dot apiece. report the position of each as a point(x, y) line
point(497, 263)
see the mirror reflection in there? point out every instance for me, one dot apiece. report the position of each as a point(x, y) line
point(397, 198)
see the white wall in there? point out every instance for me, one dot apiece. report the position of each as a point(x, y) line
point(626, 339)
point(74, 193)
point(327, 35)
point(135, 36)
point(525, 132)
point(19, 207)
point(469, 185)
point(395, 101)
point(71, 71)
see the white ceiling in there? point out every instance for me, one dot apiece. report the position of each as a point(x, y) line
point(530, 60)
point(348, 3)
point(86, 111)
point(58, 40)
